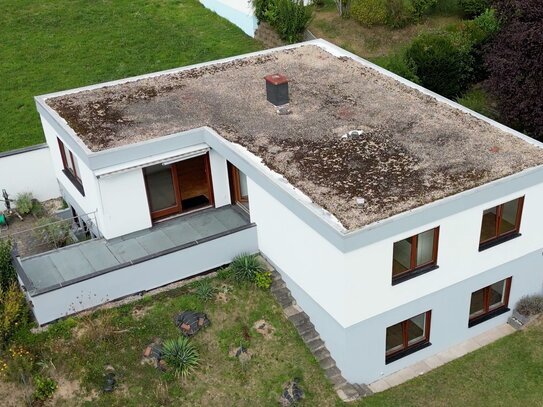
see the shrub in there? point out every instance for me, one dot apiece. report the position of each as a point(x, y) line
point(369, 12)
point(289, 18)
point(261, 7)
point(7, 271)
point(422, 7)
point(442, 61)
point(530, 305)
point(181, 356)
point(483, 27)
point(245, 267)
point(53, 230)
point(13, 312)
point(263, 279)
point(472, 8)
point(204, 290)
point(45, 388)
point(399, 13)
point(23, 203)
point(400, 65)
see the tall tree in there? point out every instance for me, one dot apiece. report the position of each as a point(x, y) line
point(514, 60)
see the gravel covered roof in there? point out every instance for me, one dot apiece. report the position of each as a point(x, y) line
point(414, 149)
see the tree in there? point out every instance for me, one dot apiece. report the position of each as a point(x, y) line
point(514, 60)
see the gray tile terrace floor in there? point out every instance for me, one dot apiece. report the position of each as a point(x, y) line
point(56, 268)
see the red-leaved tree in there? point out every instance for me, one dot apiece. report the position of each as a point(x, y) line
point(514, 60)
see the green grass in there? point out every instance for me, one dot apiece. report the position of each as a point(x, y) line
point(505, 373)
point(52, 45)
point(480, 101)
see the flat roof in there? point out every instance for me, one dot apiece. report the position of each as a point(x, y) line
point(414, 149)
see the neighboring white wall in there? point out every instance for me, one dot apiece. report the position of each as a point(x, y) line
point(28, 171)
point(238, 12)
point(143, 276)
point(124, 202)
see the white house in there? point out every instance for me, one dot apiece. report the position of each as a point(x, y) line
point(402, 222)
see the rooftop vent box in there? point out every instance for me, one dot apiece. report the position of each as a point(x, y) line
point(277, 89)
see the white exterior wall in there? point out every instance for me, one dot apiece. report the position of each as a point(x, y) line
point(238, 12)
point(309, 264)
point(91, 201)
point(28, 171)
point(369, 269)
point(142, 276)
point(124, 199)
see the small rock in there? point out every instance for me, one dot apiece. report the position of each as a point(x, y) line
point(292, 394)
point(264, 328)
point(190, 322)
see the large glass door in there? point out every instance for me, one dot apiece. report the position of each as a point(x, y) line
point(238, 187)
point(162, 190)
point(178, 187)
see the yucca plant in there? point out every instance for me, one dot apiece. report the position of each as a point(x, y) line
point(181, 356)
point(204, 290)
point(245, 267)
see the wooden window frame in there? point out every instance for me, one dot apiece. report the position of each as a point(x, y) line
point(487, 312)
point(503, 237)
point(70, 172)
point(391, 356)
point(416, 270)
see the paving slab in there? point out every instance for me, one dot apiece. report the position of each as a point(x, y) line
point(127, 250)
point(98, 255)
point(207, 225)
point(155, 242)
point(41, 271)
point(181, 233)
point(71, 263)
point(230, 219)
point(379, 385)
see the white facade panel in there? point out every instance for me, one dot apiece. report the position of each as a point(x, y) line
point(29, 171)
point(124, 200)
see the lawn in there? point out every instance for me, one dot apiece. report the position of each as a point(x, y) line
point(378, 41)
point(53, 45)
point(76, 351)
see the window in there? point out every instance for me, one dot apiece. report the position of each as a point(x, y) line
point(489, 302)
point(407, 337)
point(415, 255)
point(71, 167)
point(501, 223)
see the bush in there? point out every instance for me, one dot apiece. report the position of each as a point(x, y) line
point(23, 203)
point(263, 280)
point(45, 388)
point(53, 230)
point(181, 356)
point(261, 7)
point(369, 12)
point(289, 18)
point(472, 8)
point(399, 13)
point(530, 305)
point(483, 27)
point(13, 312)
point(442, 61)
point(245, 267)
point(422, 7)
point(7, 271)
point(400, 65)
point(204, 290)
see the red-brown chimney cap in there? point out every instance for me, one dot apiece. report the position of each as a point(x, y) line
point(276, 79)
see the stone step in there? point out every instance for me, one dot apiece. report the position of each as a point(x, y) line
point(315, 344)
point(363, 389)
point(327, 363)
point(332, 371)
point(321, 354)
point(337, 381)
point(307, 327)
point(348, 392)
point(310, 336)
point(299, 319)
